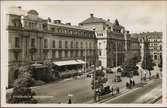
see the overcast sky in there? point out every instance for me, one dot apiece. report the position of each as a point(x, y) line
point(136, 16)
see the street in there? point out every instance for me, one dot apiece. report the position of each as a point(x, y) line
point(80, 89)
point(144, 94)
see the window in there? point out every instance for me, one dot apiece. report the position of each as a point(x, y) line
point(160, 47)
point(81, 53)
point(45, 43)
point(53, 44)
point(76, 44)
point(45, 55)
point(99, 45)
point(52, 29)
point(155, 57)
point(100, 63)
point(44, 26)
point(81, 45)
point(16, 56)
point(86, 45)
point(60, 54)
point(66, 44)
point(100, 52)
point(33, 43)
point(53, 54)
point(90, 45)
point(76, 54)
point(66, 54)
point(60, 44)
point(99, 34)
point(71, 44)
point(17, 42)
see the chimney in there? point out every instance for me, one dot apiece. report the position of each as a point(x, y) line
point(68, 24)
point(91, 15)
point(57, 21)
point(49, 19)
point(19, 7)
point(127, 31)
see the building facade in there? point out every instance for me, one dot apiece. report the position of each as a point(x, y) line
point(154, 40)
point(36, 40)
point(113, 41)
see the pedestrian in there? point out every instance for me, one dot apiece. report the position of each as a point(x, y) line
point(157, 75)
point(149, 75)
point(117, 89)
point(133, 83)
point(69, 101)
point(112, 90)
point(127, 85)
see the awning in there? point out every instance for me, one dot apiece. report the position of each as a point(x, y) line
point(38, 65)
point(68, 62)
point(80, 61)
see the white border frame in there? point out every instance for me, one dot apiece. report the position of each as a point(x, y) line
point(4, 69)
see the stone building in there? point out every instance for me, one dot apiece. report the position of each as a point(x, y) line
point(155, 44)
point(113, 41)
point(35, 40)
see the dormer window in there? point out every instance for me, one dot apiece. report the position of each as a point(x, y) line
point(52, 29)
point(45, 26)
point(16, 22)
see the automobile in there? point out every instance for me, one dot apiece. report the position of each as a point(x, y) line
point(89, 74)
point(119, 70)
point(104, 91)
point(109, 70)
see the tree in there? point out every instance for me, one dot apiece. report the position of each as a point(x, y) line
point(147, 62)
point(99, 79)
point(160, 64)
point(129, 67)
point(22, 92)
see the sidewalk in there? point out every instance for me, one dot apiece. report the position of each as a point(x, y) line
point(123, 90)
point(122, 85)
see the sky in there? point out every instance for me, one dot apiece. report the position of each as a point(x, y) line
point(135, 16)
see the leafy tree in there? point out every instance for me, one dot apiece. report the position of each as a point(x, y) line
point(160, 64)
point(100, 79)
point(129, 68)
point(22, 92)
point(147, 62)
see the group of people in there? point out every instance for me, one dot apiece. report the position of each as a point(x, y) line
point(130, 84)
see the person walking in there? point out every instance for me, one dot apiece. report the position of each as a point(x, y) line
point(69, 101)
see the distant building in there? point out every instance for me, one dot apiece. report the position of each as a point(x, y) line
point(113, 41)
point(154, 44)
point(35, 40)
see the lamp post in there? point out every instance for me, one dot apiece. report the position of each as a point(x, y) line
point(95, 64)
point(116, 59)
point(85, 59)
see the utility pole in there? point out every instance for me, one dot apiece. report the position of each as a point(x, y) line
point(116, 59)
point(95, 64)
point(85, 59)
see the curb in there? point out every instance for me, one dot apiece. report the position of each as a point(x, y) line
point(155, 100)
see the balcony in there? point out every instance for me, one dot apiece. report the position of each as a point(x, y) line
point(15, 49)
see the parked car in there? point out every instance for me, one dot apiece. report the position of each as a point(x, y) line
point(109, 70)
point(119, 70)
point(104, 91)
point(89, 74)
